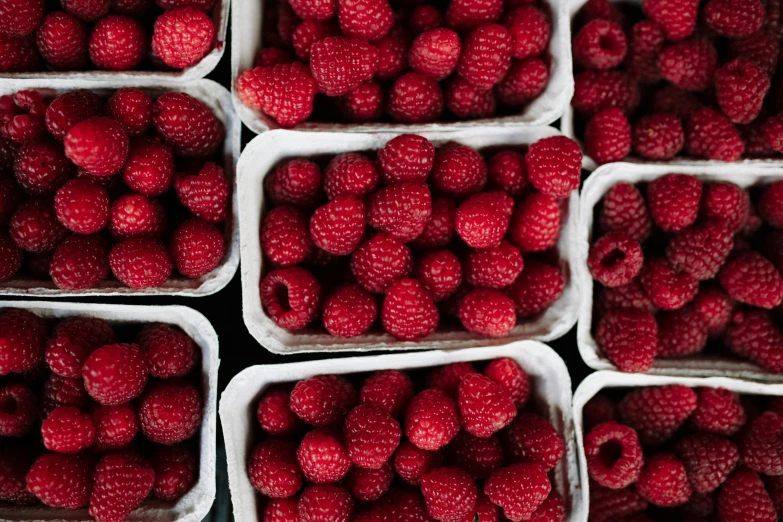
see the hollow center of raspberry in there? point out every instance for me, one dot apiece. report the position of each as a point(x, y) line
point(281, 294)
point(613, 258)
point(610, 453)
point(8, 405)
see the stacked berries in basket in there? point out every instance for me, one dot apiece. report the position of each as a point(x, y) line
point(90, 416)
point(678, 77)
point(125, 186)
point(417, 235)
point(415, 64)
point(463, 448)
point(676, 453)
point(690, 269)
point(110, 35)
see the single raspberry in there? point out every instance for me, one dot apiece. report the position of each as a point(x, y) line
point(140, 262)
point(349, 311)
point(322, 456)
point(439, 229)
point(170, 411)
point(530, 30)
point(323, 400)
point(284, 92)
point(708, 460)
point(371, 436)
point(440, 272)
point(408, 311)
point(477, 456)
point(99, 145)
point(296, 182)
point(531, 438)
point(400, 504)
point(415, 98)
point(750, 278)
point(727, 203)
point(273, 470)
point(115, 426)
point(431, 420)
point(350, 174)
point(114, 374)
point(769, 204)
point(466, 15)
point(554, 166)
point(485, 406)
point(518, 489)
point(480, 66)
point(175, 471)
point(291, 297)
point(34, 226)
point(325, 502)
point(487, 312)
point(646, 40)
point(150, 167)
point(600, 45)
point(73, 340)
point(435, 53)
point(523, 83)
point(537, 288)
point(197, 248)
point(628, 338)
point(734, 18)
point(206, 194)
point(700, 250)
point(743, 497)
point(182, 37)
point(19, 410)
point(380, 261)
point(680, 333)
point(424, 17)
point(449, 377)
point(400, 209)
point(388, 390)
point(118, 43)
point(412, 463)
point(760, 48)
point(761, 445)
point(614, 455)
point(82, 207)
point(67, 430)
point(608, 136)
point(658, 136)
point(365, 19)
point(368, 485)
point(718, 411)
point(450, 493)
point(615, 259)
point(21, 18)
point(87, 10)
point(169, 351)
point(551, 510)
point(657, 412)
point(62, 42)
point(307, 33)
point(188, 124)
point(711, 135)
point(314, 10)
point(122, 482)
point(495, 267)
point(41, 167)
point(674, 201)
point(482, 220)
point(274, 413)
point(598, 90)
point(62, 481)
point(363, 104)
point(623, 210)
point(740, 87)
point(753, 335)
point(613, 504)
point(134, 215)
point(11, 256)
point(62, 391)
point(663, 481)
point(507, 171)
point(689, 65)
point(678, 19)
point(535, 225)
point(79, 262)
point(467, 102)
point(18, 54)
point(408, 157)
point(511, 377)
point(458, 170)
point(132, 108)
point(339, 64)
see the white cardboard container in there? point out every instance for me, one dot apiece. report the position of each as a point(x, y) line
point(598, 381)
point(550, 386)
point(593, 190)
point(266, 150)
point(150, 78)
point(195, 504)
point(246, 37)
point(219, 100)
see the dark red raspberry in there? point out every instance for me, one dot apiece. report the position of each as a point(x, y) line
point(631, 295)
point(115, 374)
point(439, 229)
point(408, 157)
point(530, 30)
point(482, 219)
point(72, 340)
point(718, 411)
point(657, 412)
point(401, 209)
point(62, 42)
point(485, 406)
point(487, 312)
point(689, 64)
point(761, 445)
point(411, 463)
point(495, 267)
point(379, 261)
point(646, 40)
point(368, 485)
point(260, 89)
point(82, 207)
point(507, 171)
point(769, 204)
point(322, 456)
point(325, 502)
point(614, 455)
point(598, 90)
point(458, 170)
point(608, 136)
point(615, 259)
point(708, 460)
point(339, 64)
point(273, 470)
point(140, 262)
point(726, 202)
point(285, 238)
point(518, 489)
point(150, 167)
point(323, 400)
point(393, 53)
point(291, 297)
point(449, 377)
point(774, 487)
point(389, 390)
point(431, 420)
point(537, 288)
point(34, 226)
point(701, 250)
point(486, 56)
point(115, 426)
point(296, 182)
point(678, 19)
point(525, 80)
point(18, 54)
point(41, 167)
point(132, 108)
point(466, 15)
point(623, 210)
point(269, 56)
point(554, 166)
point(79, 262)
point(21, 18)
point(188, 124)
point(408, 311)
point(62, 481)
point(350, 174)
point(169, 351)
point(349, 311)
point(450, 493)
point(753, 335)
point(424, 17)
point(658, 136)
point(170, 411)
point(734, 18)
point(175, 471)
point(613, 504)
point(600, 45)
point(674, 201)
point(535, 225)
point(750, 278)
point(663, 481)
point(274, 413)
point(711, 135)
point(743, 496)
point(760, 48)
point(435, 53)
point(440, 272)
point(740, 87)
point(363, 104)
point(182, 37)
point(628, 338)
point(680, 333)
point(371, 436)
point(206, 194)
point(118, 43)
point(67, 430)
point(467, 102)
point(19, 410)
point(415, 98)
point(477, 456)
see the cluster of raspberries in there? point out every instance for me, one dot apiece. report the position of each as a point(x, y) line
point(690, 76)
point(111, 35)
point(676, 453)
point(79, 182)
point(73, 400)
point(692, 263)
point(462, 449)
point(478, 58)
point(366, 217)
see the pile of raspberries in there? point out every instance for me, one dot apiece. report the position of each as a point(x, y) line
point(693, 262)
point(342, 243)
point(88, 420)
point(80, 179)
point(110, 35)
point(462, 449)
point(676, 453)
point(477, 59)
point(678, 76)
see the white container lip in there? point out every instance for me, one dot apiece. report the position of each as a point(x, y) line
point(246, 31)
point(593, 190)
point(598, 381)
point(196, 503)
point(550, 384)
point(219, 100)
point(269, 148)
point(149, 78)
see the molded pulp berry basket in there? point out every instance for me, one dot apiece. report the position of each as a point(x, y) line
point(598, 381)
point(265, 151)
point(593, 190)
point(195, 504)
point(218, 99)
point(550, 393)
point(246, 35)
point(149, 78)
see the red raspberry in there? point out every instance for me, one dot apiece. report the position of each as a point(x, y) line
point(458, 170)
point(67, 430)
point(646, 40)
point(34, 227)
point(274, 413)
point(87, 10)
point(70, 108)
point(431, 421)
point(743, 497)
point(670, 99)
point(551, 510)
point(761, 446)
point(415, 98)
point(41, 167)
point(740, 87)
point(122, 482)
point(680, 333)
point(711, 135)
point(535, 225)
point(392, 53)
point(700, 250)
point(368, 485)
point(424, 18)
point(628, 338)
point(340, 64)
point(182, 37)
point(614, 455)
point(412, 463)
point(115, 426)
point(19, 409)
point(115, 374)
point(657, 412)
point(269, 56)
point(389, 390)
point(449, 377)
point(380, 261)
point(272, 468)
point(408, 157)
point(753, 335)
point(663, 481)
point(79, 262)
point(285, 238)
point(302, 297)
point(62, 481)
point(285, 92)
point(296, 182)
point(678, 19)
point(73, 340)
point(477, 456)
point(363, 104)
point(689, 65)
point(734, 18)
point(623, 210)
point(170, 411)
point(408, 311)
point(760, 48)
point(435, 53)
point(349, 311)
point(600, 45)
point(150, 167)
point(82, 207)
point(169, 351)
point(188, 124)
point(62, 391)
point(350, 174)
point(615, 259)
point(22, 116)
point(306, 34)
point(530, 31)
point(99, 145)
point(554, 166)
point(614, 504)
point(467, 102)
point(631, 295)
point(480, 66)
point(525, 80)
point(134, 215)
point(323, 400)
point(280, 510)
point(314, 9)
point(476, 393)
point(482, 219)
point(507, 172)
point(18, 54)
point(371, 436)
point(487, 312)
point(608, 136)
point(511, 377)
point(718, 411)
point(325, 502)
point(441, 273)
point(323, 457)
point(365, 19)
point(708, 460)
point(674, 201)
point(750, 278)
point(401, 209)
point(531, 438)
point(495, 267)
point(518, 489)
point(197, 248)
point(206, 194)
point(598, 90)
point(11, 256)
point(21, 18)
point(62, 42)
point(140, 262)
point(727, 203)
point(439, 229)
point(132, 108)
point(118, 43)
point(175, 472)
point(467, 15)
point(450, 493)
point(537, 288)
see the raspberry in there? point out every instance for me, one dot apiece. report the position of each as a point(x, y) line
point(485, 406)
point(449, 377)
point(82, 207)
point(412, 463)
point(122, 482)
point(658, 136)
point(645, 42)
point(365, 19)
point(188, 125)
point(349, 311)
point(41, 167)
point(482, 220)
point(182, 37)
point(612, 504)
point(772, 133)
point(628, 338)
point(623, 210)
point(307, 33)
point(114, 374)
point(18, 54)
point(408, 311)
point(323, 457)
point(401, 209)
point(769, 204)
point(62, 481)
point(273, 470)
point(551, 510)
point(323, 400)
point(197, 248)
point(614, 455)
point(415, 98)
point(608, 136)
point(711, 135)
point(598, 90)
point(507, 172)
point(718, 411)
point(435, 53)
point(678, 19)
point(67, 430)
point(170, 411)
point(726, 202)
point(62, 391)
point(388, 390)
point(674, 201)
point(761, 446)
point(734, 18)
point(441, 273)
point(753, 335)
point(708, 460)
point(600, 45)
point(34, 228)
point(467, 102)
point(132, 108)
point(175, 472)
point(274, 413)
point(525, 80)
point(615, 259)
point(70, 108)
point(117, 43)
point(760, 48)
point(169, 352)
point(752, 279)
point(554, 166)
point(206, 194)
point(740, 87)
point(22, 116)
point(486, 56)
point(511, 377)
point(368, 485)
point(19, 410)
point(280, 510)
point(150, 167)
point(371, 436)
point(408, 157)
point(23, 336)
point(680, 333)
point(477, 456)
point(656, 413)
point(450, 493)
point(631, 295)
point(466, 15)
point(339, 64)
point(689, 65)
point(518, 489)
point(537, 288)
point(700, 250)
point(363, 104)
point(99, 145)
point(62, 42)
point(495, 267)
point(424, 18)
point(21, 18)
point(535, 225)
point(439, 229)
point(487, 312)
point(285, 92)
point(87, 10)
point(291, 297)
point(140, 262)
point(79, 262)
point(115, 426)
point(350, 174)
point(314, 9)
point(458, 170)
point(530, 31)
point(663, 481)
point(325, 502)
point(11, 256)
point(380, 261)
point(531, 438)
point(431, 420)
point(296, 182)
point(743, 497)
